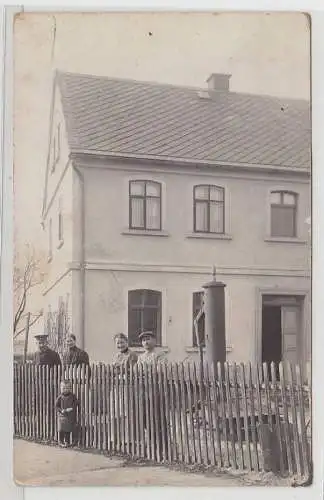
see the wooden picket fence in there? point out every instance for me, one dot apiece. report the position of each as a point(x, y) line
point(174, 413)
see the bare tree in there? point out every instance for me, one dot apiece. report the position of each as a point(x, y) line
point(58, 326)
point(26, 276)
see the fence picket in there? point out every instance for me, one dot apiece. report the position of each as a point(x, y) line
point(44, 413)
point(27, 411)
point(110, 416)
point(136, 402)
point(47, 405)
point(184, 428)
point(23, 404)
point(127, 405)
point(166, 393)
point(95, 408)
point(277, 414)
point(32, 402)
point(201, 395)
point(18, 382)
point(189, 413)
point(245, 418)
point(122, 407)
point(15, 412)
point(238, 416)
point(256, 465)
point(81, 416)
point(162, 411)
point(142, 410)
point(221, 394)
point(151, 435)
point(179, 436)
point(38, 408)
point(210, 415)
point(294, 419)
point(87, 410)
point(304, 442)
point(229, 414)
point(98, 407)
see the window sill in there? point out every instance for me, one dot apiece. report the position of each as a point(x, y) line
point(276, 239)
point(144, 232)
point(60, 244)
point(229, 348)
point(210, 236)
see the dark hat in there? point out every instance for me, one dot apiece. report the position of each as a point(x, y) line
point(41, 336)
point(146, 334)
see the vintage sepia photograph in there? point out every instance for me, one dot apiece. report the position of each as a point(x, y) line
point(162, 249)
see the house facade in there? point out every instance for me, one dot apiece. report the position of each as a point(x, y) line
point(149, 186)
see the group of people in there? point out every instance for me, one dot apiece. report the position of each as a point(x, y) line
point(67, 405)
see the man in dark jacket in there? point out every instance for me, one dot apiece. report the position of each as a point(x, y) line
point(44, 355)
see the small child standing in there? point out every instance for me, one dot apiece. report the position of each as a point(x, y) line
point(67, 407)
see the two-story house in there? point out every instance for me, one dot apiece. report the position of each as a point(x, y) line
point(148, 186)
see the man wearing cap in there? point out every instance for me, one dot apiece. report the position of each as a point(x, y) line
point(44, 355)
point(154, 402)
point(150, 355)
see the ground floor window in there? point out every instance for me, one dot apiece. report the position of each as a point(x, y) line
point(144, 313)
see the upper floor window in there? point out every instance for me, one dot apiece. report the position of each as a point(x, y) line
point(283, 214)
point(197, 301)
point(145, 205)
point(209, 212)
point(144, 313)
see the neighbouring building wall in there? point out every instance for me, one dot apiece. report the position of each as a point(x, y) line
point(58, 216)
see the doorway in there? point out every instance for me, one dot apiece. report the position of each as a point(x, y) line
point(271, 334)
point(281, 328)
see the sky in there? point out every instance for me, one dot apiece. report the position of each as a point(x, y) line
point(265, 53)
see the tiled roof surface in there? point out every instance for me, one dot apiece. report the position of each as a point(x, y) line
point(156, 120)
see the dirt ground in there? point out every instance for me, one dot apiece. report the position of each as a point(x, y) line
point(40, 465)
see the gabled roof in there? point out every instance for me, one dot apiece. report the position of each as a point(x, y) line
point(125, 117)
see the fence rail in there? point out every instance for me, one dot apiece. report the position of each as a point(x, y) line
point(171, 413)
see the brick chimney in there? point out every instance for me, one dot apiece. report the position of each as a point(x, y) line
point(219, 82)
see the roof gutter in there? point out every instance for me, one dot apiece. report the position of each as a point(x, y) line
point(188, 162)
point(82, 257)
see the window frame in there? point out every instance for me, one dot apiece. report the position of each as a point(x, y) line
point(282, 205)
point(209, 203)
point(144, 198)
point(142, 306)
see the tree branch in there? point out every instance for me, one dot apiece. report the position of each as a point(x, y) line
point(30, 324)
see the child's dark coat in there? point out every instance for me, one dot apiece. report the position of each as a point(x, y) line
point(67, 420)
